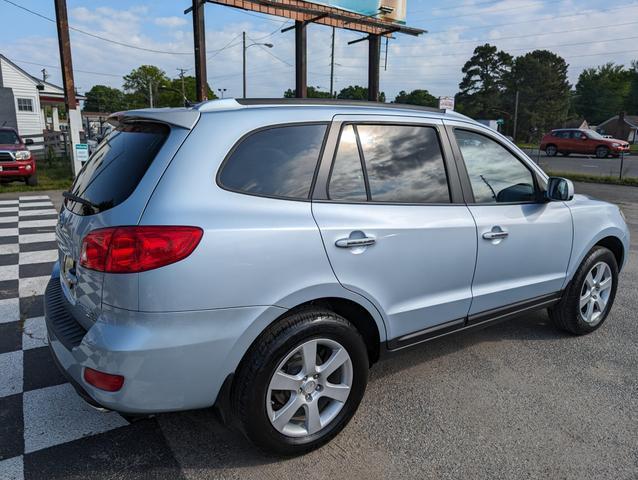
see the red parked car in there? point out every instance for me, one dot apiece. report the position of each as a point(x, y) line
point(16, 161)
point(588, 142)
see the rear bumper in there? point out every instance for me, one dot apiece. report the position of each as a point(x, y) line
point(170, 361)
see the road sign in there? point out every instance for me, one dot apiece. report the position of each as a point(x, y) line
point(446, 103)
point(81, 152)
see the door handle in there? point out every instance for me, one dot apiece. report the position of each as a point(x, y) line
point(497, 233)
point(355, 242)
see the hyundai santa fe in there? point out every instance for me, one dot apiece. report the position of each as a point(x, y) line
point(260, 256)
point(583, 141)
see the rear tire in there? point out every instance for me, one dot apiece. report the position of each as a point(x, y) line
point(579, 311)
point(551, 150)
point(315, 417)
point(32, 181)
point(602, 152)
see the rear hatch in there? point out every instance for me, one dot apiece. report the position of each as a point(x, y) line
point(112, 189)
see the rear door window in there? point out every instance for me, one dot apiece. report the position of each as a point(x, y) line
point(389, 164)
point(275, 162)
point(117, 166)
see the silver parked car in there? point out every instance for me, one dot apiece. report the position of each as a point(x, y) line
point(260, 256)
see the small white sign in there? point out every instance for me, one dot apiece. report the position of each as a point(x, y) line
point(446, 103)
point(81, 152)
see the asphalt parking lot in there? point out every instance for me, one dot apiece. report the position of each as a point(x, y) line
point(517, 400)
point(586, 164)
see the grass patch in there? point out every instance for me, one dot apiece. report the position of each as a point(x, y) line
point(531, 146)
point(577, 177)
point(633, 148)
point(56, 175)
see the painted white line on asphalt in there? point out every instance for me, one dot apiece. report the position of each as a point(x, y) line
point(8, 272)
point(9, 310)
point(12, 468)
point(37, 223)
point(56, 415)
point(34, 213)
point(37, 237)
point(8, 219)
point(11, 368)
point(9, 248)
point(32, 286)
point(40, 256)
point(34, 334)
point(8, 232)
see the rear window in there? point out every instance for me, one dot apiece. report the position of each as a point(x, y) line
point(117, 166)
point(9, 137)
point(275, 162)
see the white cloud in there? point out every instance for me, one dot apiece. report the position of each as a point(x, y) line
point(171, 22)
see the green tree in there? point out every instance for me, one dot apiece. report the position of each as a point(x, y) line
point(417, 97)
point(631, 104)
point(602, 92)
point(312, 93)
point(143, 82)
point(170, 93)
point(355, 92)
point(483, 84)
point(104, 99)
point(544, 93)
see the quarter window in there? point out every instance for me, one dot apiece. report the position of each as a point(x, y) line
point(276, 162)
point(496, 175)
point(403, 164)
point(25, 104)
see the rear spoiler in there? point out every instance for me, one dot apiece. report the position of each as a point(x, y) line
point(177, 117)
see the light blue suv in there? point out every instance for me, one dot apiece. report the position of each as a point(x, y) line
point(260, 256)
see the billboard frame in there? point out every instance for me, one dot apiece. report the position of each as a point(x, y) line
point(303, 13)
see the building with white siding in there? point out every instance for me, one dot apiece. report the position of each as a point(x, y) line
point(23, 99)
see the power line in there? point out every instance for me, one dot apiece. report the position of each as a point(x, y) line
point(99, 37)
point(270, 53)
point(528, 48)
point(532, 20)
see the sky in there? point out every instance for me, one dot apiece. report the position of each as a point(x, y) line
point(586, 33)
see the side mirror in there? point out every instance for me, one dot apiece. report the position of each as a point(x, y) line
point(28, 141)
point(559, 189)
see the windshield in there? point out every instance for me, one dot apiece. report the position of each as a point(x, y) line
point(116, 168)
point(9, 137)
point(595, 135)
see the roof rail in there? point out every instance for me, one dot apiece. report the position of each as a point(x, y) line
point(333, 102)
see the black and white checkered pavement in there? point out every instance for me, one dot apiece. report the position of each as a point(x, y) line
point(46, 429)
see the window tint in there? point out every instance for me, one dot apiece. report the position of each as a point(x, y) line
point(277, 162)
point(404, 164)
point(577, 134)
point(495, 174)
point(9, 137)
point(561, 134)
point(117, 166)
point(346, 180)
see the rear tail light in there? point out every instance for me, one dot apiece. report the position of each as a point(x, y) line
point(137, 249)
point(104, 381)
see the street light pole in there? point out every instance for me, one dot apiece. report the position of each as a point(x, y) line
point(246, 47)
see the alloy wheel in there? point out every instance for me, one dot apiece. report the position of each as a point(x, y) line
point(309, 387)
point(595, 292)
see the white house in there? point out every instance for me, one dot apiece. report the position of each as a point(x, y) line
point(23, 98)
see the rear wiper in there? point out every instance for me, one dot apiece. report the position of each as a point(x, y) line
point(82, 201)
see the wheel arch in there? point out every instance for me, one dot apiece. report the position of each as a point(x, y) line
point(616, 246)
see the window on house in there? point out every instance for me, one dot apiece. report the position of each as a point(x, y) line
point(25, 104)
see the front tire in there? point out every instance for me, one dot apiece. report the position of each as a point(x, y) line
point(301, 382)
point(551, 150)
point(32, 180)
point(602, 152)
point(590, 295)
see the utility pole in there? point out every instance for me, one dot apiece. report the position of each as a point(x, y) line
point(182, 71)
point(332, 64)
point(374, 52)
point(73, 114)
point(244, 59)
point(199, 39)
point(515, 115)
point(301, 64)
point(150, 93)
